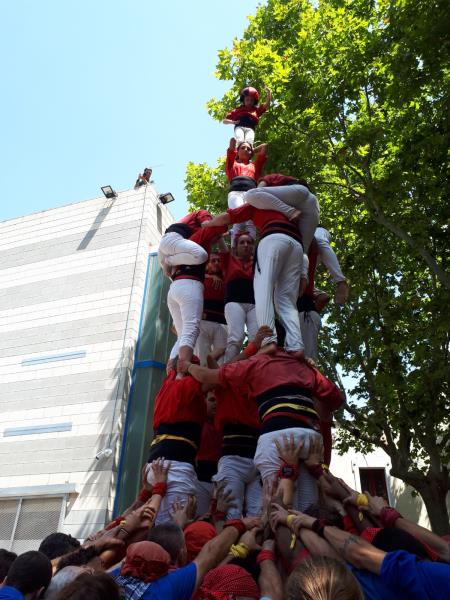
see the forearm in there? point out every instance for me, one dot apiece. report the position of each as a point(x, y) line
point(218, 221)
point(316, 545)
point(426, 536)
point(203, 374)
point(228, 122)
point(355, 550)
point(270, 583)
point(215, 551)
point(287, 489)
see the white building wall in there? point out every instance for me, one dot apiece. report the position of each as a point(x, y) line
point(71, 288)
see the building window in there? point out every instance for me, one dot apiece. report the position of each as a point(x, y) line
point(25, 522)
point(373, 481)
point(159, 218)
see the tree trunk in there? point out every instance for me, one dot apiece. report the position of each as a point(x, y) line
point(434, 496)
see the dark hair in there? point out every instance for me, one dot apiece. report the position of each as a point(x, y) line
point(86, 586)
point(6, 560)
point(30, 572)
point(58, 544)
point(78, 557)
point(391, 539)
point(322, 578)
point(170, 537)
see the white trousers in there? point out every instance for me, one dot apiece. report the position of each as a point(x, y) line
point(244, 134)
point(238, 315)
point(327, 254)
point(175, 250)
point(268, 462)
point(211, 337)
point(181, 483)
point(277, 279)
point(310, 324)
point(185, 303)
point(204, 495)
point(236, 200)
point(242, 478)
point(296, 197)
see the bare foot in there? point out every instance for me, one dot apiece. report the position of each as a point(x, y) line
point(342, 290)
point(268, 348)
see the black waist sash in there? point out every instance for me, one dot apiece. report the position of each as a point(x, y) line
point(281, 227)
point(239, 440)
point(181, 228)
point(190, 271)
point(246, 121)
point(213, 311)
point(240, 290)
point(287, 406)
point(176, 441)
point(242, 184)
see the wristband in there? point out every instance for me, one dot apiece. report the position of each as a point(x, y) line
point(117, 521)
point(362, 500)
point(388, 516)
point(288, 471)
point(290, 519)
point(145, 495)
point(218, 516)
point(159, 489)
point(251, 349)
point(315, 471)
point(125, 531)
point(189, 366)
point(239, 550)
point(213, 506)
point(265, 555)
point(237, 524)
point(318, 527)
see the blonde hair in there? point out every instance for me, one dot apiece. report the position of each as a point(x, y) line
point(322, 579)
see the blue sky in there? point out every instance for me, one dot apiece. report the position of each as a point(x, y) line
point(95, 90)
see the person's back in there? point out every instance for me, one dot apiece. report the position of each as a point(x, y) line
point(98, 586)
point(28, 577)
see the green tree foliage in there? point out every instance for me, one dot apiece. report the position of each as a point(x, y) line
point(361, 110)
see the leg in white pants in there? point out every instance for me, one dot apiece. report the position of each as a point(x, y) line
point(238, 472)
point(244, 134)
point(175, 250)
point(268, 462)
point(328, 255)
point(277, 278)
point(211, 337)
point(185, 303)
point(253, 496)
point(296, 197)
point(237, 315)
point(204, 495)
point(181, 483)
point(310, 324)
point(236, 200)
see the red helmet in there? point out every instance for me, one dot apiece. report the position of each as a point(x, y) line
point(250, 91)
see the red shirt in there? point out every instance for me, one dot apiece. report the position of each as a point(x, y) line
point(253, 169)
point(204, 236)
point(178, 401)
point(260, 218)
point(213, 289)
point(233, 268)
point(276, 179)
point(250, 112)
point(211, 443)
point(235, 406)
point(195, 219)
point(262, 373)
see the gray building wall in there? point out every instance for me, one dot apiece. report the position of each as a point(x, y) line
point(71, 291)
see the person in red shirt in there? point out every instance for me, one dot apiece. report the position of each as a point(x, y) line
point(245, 118)
point(178, 418)
point(213, 331)
point(237, 267)
point(279, 259)
point(185, 296)
point(177, 248)
point(243, 173)
point(289, 395)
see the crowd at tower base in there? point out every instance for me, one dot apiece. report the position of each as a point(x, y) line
point(238, 498)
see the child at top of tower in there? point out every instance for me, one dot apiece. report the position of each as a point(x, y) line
point(246, 116)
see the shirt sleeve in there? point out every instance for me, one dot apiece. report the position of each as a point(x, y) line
point(261, 109)
point(231, 115)
point(178, 585)
point(327, 391)
point(231, 157)
point(260, 159)
point(204, 235)
point(241, 214)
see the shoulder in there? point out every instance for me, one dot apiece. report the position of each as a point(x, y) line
point(178, 585)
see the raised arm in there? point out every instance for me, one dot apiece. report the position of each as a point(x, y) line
point(268, 99)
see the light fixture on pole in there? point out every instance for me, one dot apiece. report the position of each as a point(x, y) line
point(166, 198)
point(108, 192)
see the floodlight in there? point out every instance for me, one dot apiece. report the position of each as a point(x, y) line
point(166, 198)
point(109, 192)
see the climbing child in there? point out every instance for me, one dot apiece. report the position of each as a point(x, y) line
point(245, 118)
